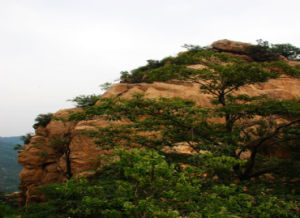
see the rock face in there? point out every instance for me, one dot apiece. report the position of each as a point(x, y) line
point(44, 163)
point(230, 46)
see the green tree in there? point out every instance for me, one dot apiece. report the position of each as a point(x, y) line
point(289, 51)
point(42, 120)
point(141, 183)
point(85, 100)
point(26, 140)
point(249, 121)
point(264, 51)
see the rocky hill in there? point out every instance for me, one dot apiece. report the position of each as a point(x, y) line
point(43, 163)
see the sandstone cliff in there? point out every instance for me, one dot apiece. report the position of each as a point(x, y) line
point(43, 164)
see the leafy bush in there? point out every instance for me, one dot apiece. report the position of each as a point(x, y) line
point(26, 140)
point(143, 184)
point(105, 86)
point(195, 48)
point(6, 210)
point(42, 120)
point(174, 67)
point(289, 51)
point(85, 100)
point(264, 51)
point(283, 68)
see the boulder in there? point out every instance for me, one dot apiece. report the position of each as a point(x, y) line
point(230, 46)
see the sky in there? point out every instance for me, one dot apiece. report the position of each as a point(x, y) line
point(55, 50)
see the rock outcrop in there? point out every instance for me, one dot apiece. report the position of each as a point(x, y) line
point(230, 46)
point(44, 163)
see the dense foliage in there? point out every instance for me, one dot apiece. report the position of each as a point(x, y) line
point(264, 51)
point(5, 209)
point(26, 140)
point(85, 100)
point(42, 120)
point(143, 184)
point(171, 68)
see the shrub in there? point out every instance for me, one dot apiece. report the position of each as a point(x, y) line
point(195, 48)
point(44, 154)
point(289, 51)
point(42, 120)
point(85, 100)
point(282, 67)
point(174, 67)
point(59, 143)
point(143, 184)
point(262, 52)
point(105, 86)
point(6, 208)
point(26, 140)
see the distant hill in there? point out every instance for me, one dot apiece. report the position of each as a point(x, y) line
point(9, 167)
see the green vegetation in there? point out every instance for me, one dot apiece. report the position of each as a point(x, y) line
point(264, 51)
point(85, 100)
point(90, 100)
point(105, 86)
point(144, 184)
point(289, 51)
point(176, 68)
point(42, 120)
point(9, 167)
point(26, 140)
point(245, 163)
point(6, 210)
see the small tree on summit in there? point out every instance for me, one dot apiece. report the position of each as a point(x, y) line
point(42, 120)
point(264, 51)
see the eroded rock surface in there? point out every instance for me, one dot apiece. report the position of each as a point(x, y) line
point(230, 46)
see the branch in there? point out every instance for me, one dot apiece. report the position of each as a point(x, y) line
point(274, 133)
point(230, 90)
point(278, 129)
point(208, 88)
point(255, 150)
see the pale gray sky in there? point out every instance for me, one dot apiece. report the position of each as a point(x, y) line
point(54, 50)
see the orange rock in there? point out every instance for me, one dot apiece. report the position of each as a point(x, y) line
point(230, 46)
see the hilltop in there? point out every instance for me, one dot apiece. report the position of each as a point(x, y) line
point(160, 107)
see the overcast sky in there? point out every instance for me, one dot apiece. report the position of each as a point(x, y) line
point(54, 50)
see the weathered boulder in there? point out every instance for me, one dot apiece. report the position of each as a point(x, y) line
point(230, 46)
